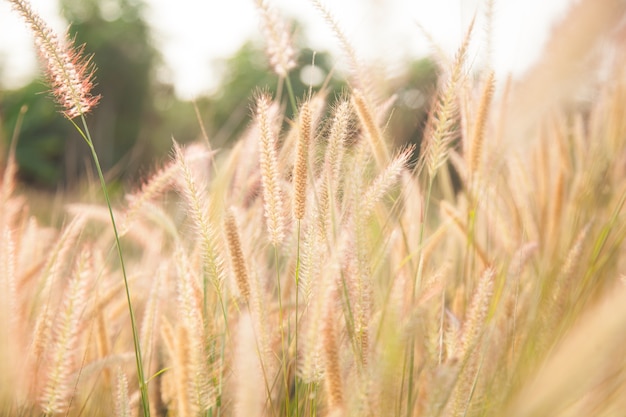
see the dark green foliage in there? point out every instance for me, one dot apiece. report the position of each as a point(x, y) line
point(248, 71)
point(138, 115)
point(50, 152)
point(41, 142)
point(414, 90)
point(125, 59)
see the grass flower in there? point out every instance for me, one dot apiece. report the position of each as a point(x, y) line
point(236, 255)
point(60, 380)
point(272, 193)
point(279, 49)
point(69, 72)
point(300, 168)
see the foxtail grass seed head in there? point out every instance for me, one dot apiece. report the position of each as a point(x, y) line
point(279, 48)
point(247, 369)
point(333, 384)
point(336, 141)
point(61, 364)
point(122, 399)
point(478, 134)
point(477, 312)
point(442, 125)
point(69, 72)
point(236, 254)
point(270, 179)
point(385, 180)
point(373, 133)
point(300, 168)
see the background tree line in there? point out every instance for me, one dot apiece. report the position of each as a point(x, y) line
point(138, 115)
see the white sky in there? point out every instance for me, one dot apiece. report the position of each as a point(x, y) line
point(193, 33)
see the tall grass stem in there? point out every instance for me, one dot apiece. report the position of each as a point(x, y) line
point(143, 387)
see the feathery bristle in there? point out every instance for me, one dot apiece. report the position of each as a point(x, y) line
point(194, 195)
point(385, 180)
point(69, 72)
point(373, 133)
point(477, 313)
point(236, 254)
point(441, 129)
point(478, 133)
point(334, 385)
point(336, 142)
point(300, 168)
point(272, 194)
point(279, 47)
point(122, 400)
point(249, 395)
point(59, 383)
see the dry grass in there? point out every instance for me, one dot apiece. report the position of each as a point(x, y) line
point(374, 290)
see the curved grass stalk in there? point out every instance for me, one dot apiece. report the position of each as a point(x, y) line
point(143, 386)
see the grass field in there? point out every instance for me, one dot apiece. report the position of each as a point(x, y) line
point(315, 270)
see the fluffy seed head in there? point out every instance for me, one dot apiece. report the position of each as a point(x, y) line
point(300, 167)
point(270, 180)
point(334, 385)
point(236, 254)
point(69, 72)
point(279, 48)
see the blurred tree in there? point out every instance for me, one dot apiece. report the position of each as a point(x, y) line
point(414, 91)
point(125, 122)
point(122, 125)
point(39, 151)
point(228, 111)
point(138, 115)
